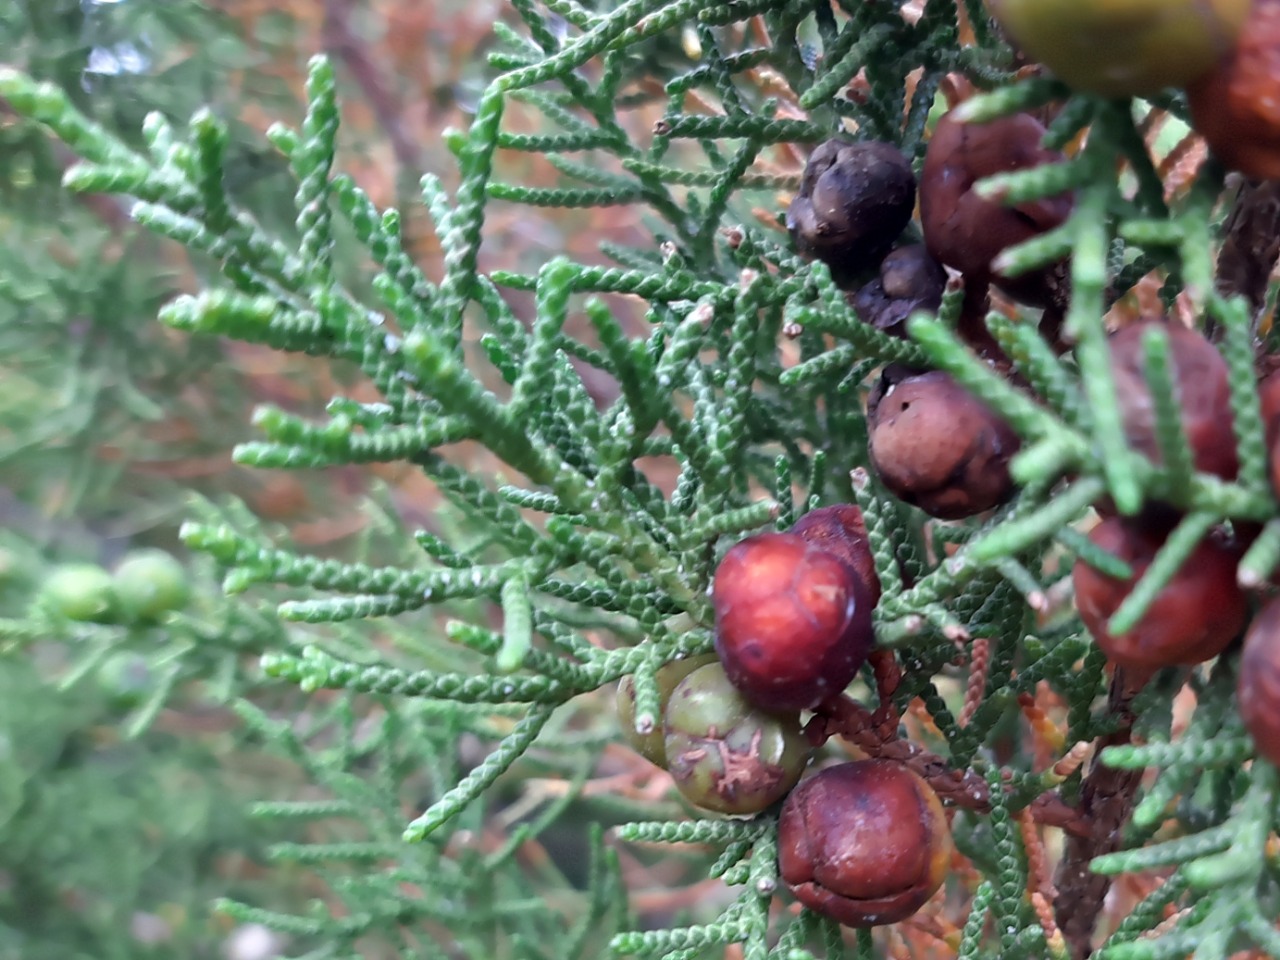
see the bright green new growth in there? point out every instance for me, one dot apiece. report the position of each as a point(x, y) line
point(600, 573)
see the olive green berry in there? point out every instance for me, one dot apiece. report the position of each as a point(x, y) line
point(650, 745)
point(80, 591)
point(150, 583)
point(723, 753)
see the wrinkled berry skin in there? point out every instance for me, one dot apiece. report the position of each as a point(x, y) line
point(841, 531)
point(854, 201)
point(1258, 685)
point(1236, 105)
point(937, 446)
point(650, 745)
point(910, 282)
point(1204, 390)
point(966, 232)
point(1199, 612)
point(793, 622)
point(864, 843)
point(1123, 48)
point(723, 753)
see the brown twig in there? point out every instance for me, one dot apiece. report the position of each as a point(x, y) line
point(1181, 164)
point(1251, 244)
point(342, 42)
point(1106, 801)
point(1039, 882)
point(1150, 127)
point(1046, 739)
point(876, 735)
point(976, 687)
point(888, 674)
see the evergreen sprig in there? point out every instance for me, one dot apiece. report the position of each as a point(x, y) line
point(601, 534)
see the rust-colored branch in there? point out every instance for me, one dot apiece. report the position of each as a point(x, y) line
point(976, 687)
point(1251, 243)
point(342, 42)
point(1106, 801)
point(876, 735)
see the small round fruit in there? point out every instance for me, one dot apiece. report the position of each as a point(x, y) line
point(1258, 685)
point(150, 583)
point(1236, 105)
point(1269, 397)
point(723, 753)
point(1204, 391)
point(840, 530)
point(854, 201)
point(910, 282)
point(937, 446)
point(1123, 48)
point(793, 622)
point(967, 232)
point(81, 591)
point(1269, 403)
point(864, 843)
point(1198, 613)
point(650, 745)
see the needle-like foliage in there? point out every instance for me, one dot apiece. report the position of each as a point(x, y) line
point(737, 374)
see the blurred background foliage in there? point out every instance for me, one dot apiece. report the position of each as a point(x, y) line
point(126, 775)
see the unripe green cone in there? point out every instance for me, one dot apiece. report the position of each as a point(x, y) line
point(150, 583)
point(725, 754)
point(80, 591)
point(651, 745)
point(1121, 48)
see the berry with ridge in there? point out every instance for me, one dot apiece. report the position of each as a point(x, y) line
point(793, 621)
point(966, 231)
point(910, 281)
point(937, 446)
point(650, 745)
point(723, 753)
point(854, 201)
point(1204, 395)
point(840, 530)
point(864, 843)
point(1192, 619)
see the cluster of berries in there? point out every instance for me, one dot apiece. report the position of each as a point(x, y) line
point(146, 585)
point(1202, 609)
point(1224, 54)
point(862, 842)
point(933, 444)
point(938, 447)
point(867, 842)
point(1221, 52)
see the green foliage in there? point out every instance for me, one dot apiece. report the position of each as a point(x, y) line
point(95, 832)
point(74, 305)
point(113, 826)
point(116, 820)
point(413, 898)
point(597, 569)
